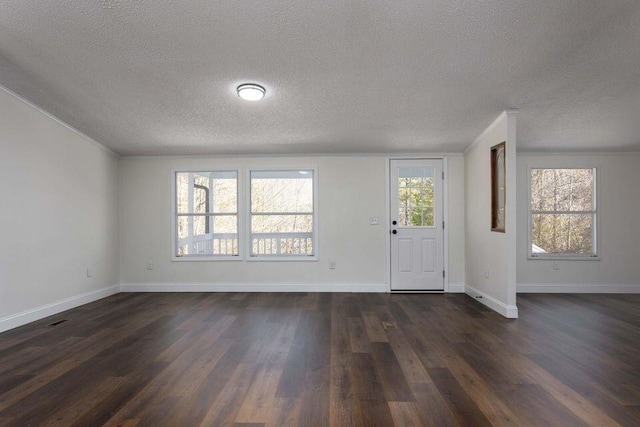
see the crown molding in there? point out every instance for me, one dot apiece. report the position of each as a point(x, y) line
point(509, 112)
point(59, 121)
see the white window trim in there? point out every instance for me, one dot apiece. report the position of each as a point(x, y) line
point(247, 209)
point(174, 215)
point(596, 223)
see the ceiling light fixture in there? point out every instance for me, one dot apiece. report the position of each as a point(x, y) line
point(251, 92)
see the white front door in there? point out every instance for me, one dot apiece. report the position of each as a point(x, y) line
point(416, 216)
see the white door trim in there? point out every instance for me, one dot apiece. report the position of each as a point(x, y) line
point(445, 213)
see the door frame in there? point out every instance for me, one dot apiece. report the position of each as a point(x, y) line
point(445, 215)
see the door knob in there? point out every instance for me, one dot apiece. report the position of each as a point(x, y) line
point(395, 231)
point(394, 222)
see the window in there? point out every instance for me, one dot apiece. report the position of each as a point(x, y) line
point(206, 215)
point(415, 197)
point(282, 213)
point(563, 214)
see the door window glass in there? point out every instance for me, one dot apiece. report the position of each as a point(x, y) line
point(415, 197)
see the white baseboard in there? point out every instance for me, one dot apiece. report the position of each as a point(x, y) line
point(578, 288)
point(509, 311)
point(19, 319)
point(456, 288)
point(251, 287)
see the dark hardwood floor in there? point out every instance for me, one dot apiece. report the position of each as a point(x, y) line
point(325, 359)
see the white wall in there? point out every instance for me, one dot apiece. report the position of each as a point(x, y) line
point(58, 215)
point(618, 179)
point(351, 189)
point(487, 251)
point(68, 204)
point(455, 182)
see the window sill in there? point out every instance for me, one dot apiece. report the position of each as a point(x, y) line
point(289, 258)
point(564, 258)
point(205, 258)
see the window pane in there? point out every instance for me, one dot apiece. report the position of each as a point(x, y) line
point(422, 197)
point(562, 233)
point(201, 225)
point(282, 213)
point(282, 223)
point(225, 195)
point(415, 190)
point(214, 246)
point(210, 191)
point(416, 217)
point(562, 189)
point(404, 215)
point(282, 245)
point(202, 193)
point(415, 177)
point(427, 177)
point(196, 225)
point(183, 227)
point(416, 196)
point(404, 172)
point(207, 235)
point(427, 217)
point(182, 192)
point(282, 191)
point(415, 199)
point(225, 224)
point(404, 197)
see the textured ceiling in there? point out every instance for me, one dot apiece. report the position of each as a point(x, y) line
point(156, 77)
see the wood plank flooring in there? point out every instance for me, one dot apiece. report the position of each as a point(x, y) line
point(309, 359)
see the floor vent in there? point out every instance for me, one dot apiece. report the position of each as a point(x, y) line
point(389, 325)
point(58, 322)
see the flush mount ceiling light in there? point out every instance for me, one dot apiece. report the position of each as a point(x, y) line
point(251, 92)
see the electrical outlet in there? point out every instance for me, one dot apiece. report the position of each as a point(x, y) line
point(556, 266)
point(89, 272)
point(149, 265)
point(332, 265)
point(486, 273)
point(373, 220)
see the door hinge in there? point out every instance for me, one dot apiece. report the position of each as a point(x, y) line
point(443, 274)
point(442, 174)
point(443, 225)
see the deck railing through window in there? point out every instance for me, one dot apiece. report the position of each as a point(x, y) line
point(265, 244)
point(209, 244)
point(261, 244)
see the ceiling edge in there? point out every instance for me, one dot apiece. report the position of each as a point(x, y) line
point(59, 121)
point(506, 113)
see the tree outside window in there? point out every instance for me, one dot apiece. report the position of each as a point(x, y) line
point(563, 212)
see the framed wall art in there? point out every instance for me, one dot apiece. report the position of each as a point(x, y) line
point(498, 187)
